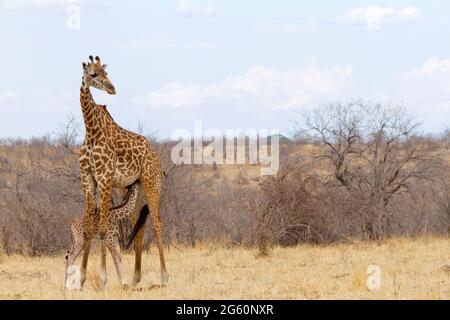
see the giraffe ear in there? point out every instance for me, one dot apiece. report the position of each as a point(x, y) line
point(84, 65)
point(104, 66)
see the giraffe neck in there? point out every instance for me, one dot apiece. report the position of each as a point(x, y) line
point(88, 108)
point(126, 209)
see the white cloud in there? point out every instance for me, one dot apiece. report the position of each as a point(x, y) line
point(259, 87)
point(426, 89)
point(194, 9)
point(8, 96)
point(374, 17)
point(176, 95)
point(98, 5)
point(22, 4)
point(432, 66)
point(431, 78)
point(36, 112)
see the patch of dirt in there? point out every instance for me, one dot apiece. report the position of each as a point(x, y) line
point(23, 275)
point(152, 287)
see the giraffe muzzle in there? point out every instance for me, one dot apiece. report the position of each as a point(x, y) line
point(111, 90)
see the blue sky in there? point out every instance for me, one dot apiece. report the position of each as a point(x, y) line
point(231, 64)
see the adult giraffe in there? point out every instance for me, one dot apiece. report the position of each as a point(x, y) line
point(114, 157)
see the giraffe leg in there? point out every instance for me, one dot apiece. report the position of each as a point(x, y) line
point(138, 244)
point(112, 247)
point(89, 186)
point(152, 191)
point(84, 264)
point(73, 278)
point(105, 188)
point(103, 276)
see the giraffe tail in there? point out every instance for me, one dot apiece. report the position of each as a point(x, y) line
point(138, 225)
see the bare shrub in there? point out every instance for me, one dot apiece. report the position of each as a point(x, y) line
point(376, 154)
point(356, 171)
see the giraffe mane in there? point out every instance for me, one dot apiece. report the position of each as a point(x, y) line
point(106, 111)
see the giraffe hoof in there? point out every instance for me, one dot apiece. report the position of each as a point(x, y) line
point(103, 279)
point(136, 279)
point(135, 283)
point(164, 277)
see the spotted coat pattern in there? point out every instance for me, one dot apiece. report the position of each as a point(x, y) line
point(112, 156)
point(79, 241)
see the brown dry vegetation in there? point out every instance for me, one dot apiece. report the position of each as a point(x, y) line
point(355, 173)
point(358, 172)
point(410, 269)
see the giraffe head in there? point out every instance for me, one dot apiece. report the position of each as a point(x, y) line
point(94, 75)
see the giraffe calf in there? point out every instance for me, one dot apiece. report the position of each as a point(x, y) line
point(80, 242)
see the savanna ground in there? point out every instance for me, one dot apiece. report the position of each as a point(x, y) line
point(410, 269)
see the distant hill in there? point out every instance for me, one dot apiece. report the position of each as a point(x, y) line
point(282, 139)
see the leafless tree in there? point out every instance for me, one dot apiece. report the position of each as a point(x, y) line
point(375, 152)
point(359, 170)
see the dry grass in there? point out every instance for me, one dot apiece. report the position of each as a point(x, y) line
point(411, 269)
